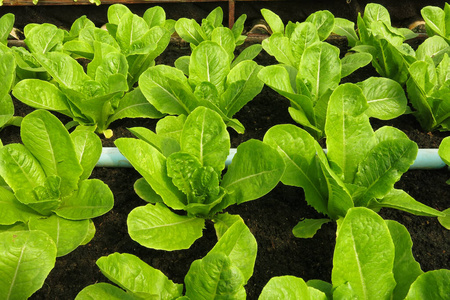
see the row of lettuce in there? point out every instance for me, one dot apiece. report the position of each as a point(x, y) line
point(47, 75)
point(48, 201)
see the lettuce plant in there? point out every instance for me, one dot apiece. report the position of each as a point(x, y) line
point(182, 165)
point(395, 59)
point(27, 259)
point(359, 168)
point(47, 182)
point(221, 274)
point(444, 151)
point(39, 38)
point(323, 21)
point(6, 26)
point(211, 29)
point(437, 21)
point(428, 91)
point(209, 80)
point(104, 92)
point(94, 99)
point(391, 55)
point(289, 43)
point(139, 39)
point(386, 98)
point(310, 70)
point(8, 74)
point(372, 260)
point(44, 38)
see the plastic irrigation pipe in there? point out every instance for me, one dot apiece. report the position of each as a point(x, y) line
point(426, 159)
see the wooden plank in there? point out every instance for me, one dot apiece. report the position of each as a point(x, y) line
point(231, 3)
point(86, 2)
point(231, 10)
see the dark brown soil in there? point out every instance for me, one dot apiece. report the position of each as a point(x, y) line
point(270, 218)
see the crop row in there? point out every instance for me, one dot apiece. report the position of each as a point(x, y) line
point(47, 201)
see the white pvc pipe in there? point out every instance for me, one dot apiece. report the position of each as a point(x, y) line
point(426, 159)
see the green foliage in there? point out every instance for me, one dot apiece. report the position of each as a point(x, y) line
point(47, 176)
point(322, 20)
point(8, 74)
point(288, 44)
point(104, 91)
point(444, 153)
point(27, 257)
point(308, 227)
point(95, 100)
point(39, 39)
point(154, 282)
point(372, 260)
point(222, 273)
point(310, 70)
point(444, 150)
point(139, 39)
point(287, 287)
point(212, 82)
point(182, 165)
point(308, 85)
point(360, 168)
point(362, 267)
point(430, 285)
point(211, 29)
point(428, 93)
point(154, 226)
point(6, 26)
point(437, 21)
point(47, 201)
point(376, 36)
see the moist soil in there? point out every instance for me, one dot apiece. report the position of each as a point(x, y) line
point(270, 218)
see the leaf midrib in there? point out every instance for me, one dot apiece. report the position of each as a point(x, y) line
point(16, 271)
point(166, 225)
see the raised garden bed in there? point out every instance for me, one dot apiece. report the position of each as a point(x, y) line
point(270, 219)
